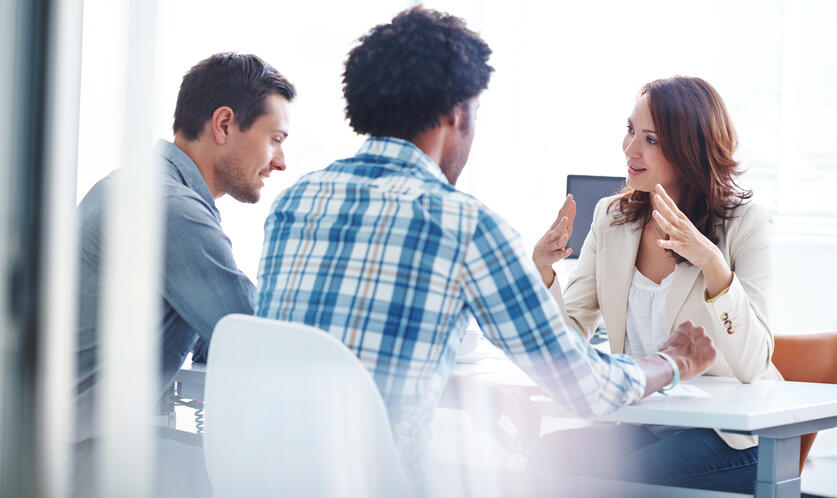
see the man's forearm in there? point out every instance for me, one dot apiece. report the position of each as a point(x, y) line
point(658, 373)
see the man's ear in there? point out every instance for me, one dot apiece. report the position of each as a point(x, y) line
point(222, 119)
point(454, 119)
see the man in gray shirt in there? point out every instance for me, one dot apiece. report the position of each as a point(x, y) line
point(230, 123)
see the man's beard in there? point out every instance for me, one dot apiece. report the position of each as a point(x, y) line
point(455, 161)
point(231, 178)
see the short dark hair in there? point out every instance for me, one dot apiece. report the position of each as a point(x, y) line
point(241, 81)
point(403, 76)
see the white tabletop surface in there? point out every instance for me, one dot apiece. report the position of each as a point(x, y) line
point(733, 405)
point(710, 402)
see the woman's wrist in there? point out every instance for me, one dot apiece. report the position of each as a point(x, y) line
point(547, 275)
point(717, 275)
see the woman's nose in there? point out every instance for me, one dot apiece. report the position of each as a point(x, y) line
point(630, 147)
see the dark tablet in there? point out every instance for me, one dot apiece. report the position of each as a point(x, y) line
point(587, 190)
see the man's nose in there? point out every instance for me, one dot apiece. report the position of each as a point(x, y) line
point(278, 161)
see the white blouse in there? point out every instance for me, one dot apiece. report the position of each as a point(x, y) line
point(646, 316)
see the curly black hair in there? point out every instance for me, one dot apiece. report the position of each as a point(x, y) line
point(403, 76)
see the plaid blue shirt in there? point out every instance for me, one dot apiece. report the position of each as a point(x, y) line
point(383, 253)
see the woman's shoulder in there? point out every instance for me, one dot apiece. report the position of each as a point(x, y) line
point(750, 214)
point(603, 205)
point(606, 210)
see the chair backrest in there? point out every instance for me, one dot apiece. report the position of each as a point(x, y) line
point(290, 411)
point(807, 358)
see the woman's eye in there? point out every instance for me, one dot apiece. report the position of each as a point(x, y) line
point(652, 141)
point(630, 130)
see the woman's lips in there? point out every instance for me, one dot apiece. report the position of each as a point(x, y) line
point(633, 170)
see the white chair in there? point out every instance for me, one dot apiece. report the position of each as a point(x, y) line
point(290, 411)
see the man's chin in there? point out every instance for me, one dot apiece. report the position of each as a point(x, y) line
point(249, 197)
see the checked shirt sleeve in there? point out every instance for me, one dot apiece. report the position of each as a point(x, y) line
point(504, 292)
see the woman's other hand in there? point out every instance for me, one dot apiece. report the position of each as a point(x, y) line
point(686, 240)
point(553, 245)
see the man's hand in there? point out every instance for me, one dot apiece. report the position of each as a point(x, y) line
point(553, 245)
point(691, 348)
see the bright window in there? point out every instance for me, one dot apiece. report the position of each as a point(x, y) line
point(566, 78)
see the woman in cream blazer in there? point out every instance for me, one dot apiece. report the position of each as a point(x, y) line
point(736, 321)
point(685, 230)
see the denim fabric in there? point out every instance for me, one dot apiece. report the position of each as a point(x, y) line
point(671, 456)
point(200, 282)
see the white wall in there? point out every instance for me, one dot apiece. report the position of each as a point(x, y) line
point(806, 277)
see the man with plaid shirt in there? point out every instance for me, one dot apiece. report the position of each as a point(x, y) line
point(383, 252)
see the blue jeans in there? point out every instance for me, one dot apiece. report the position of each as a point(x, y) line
point(671, 456)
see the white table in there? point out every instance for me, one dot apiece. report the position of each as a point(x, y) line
point(778, 412)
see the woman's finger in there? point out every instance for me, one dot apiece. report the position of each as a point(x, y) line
point(555, 231)
point(673, 215)
point(666, 212)
point(666, 198)
point(561, 226)
point(664, 224)
point(562, 253)
point(668, 201)
point(559, 242)
point(551, 236)
point(670, 244)
point(567, 209)
point(556, 241)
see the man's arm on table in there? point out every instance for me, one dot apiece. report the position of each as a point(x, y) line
point(202, 282)
point(689, 346)
point(504, 291)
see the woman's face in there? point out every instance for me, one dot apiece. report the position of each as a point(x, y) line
point(646, 164)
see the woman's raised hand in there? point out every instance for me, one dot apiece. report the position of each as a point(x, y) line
point(553, 245)
point(686, 240)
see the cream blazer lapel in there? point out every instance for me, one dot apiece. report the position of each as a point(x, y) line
point(619, 250)
point(685, 275)
point(619, 246)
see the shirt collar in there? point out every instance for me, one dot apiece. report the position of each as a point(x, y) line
point(402, 151)
point(186, 169)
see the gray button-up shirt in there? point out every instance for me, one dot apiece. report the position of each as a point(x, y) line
point(200, 282)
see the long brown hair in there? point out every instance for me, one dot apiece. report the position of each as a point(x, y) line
point(697, 138)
